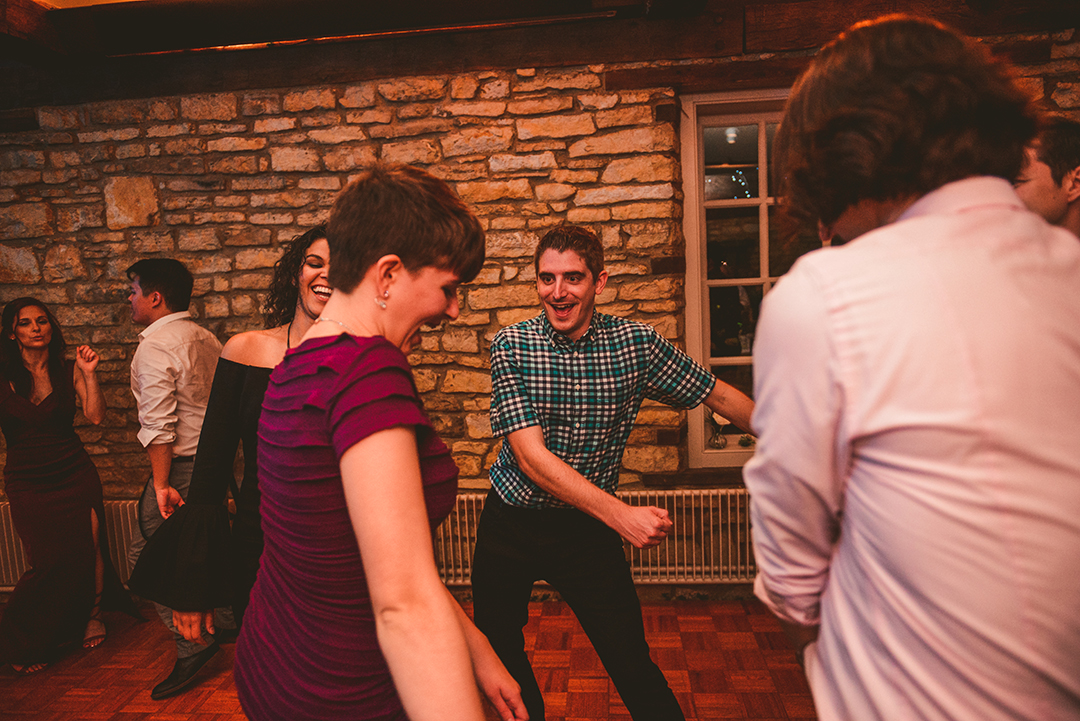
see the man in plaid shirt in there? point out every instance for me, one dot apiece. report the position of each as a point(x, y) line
point(567, 386)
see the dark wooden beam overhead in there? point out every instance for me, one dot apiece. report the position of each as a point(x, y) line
point(780, 26)
point(23, 24)
point(711, 77)
point(65, 81)
point(157, 26)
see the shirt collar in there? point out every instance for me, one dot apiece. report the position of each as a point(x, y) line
point(965, 194)
point(162, 321)
point(558, 340)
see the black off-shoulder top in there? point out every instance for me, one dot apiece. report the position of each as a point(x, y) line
point(195, 561)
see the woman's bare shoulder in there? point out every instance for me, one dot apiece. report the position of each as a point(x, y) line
point(262, 348)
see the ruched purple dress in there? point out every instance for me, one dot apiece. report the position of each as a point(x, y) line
point(52, 485)
point(308, 648)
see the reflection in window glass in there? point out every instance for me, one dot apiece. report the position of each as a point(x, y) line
point(731, 162)
point(783, 252)
point(733, 314)
point(733, 248)
point(770, 133)
point(740, 377)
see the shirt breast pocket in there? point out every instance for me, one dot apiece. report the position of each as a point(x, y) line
point(606, 402)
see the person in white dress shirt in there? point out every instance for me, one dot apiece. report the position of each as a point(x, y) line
point(171, 375)
point(916, 485)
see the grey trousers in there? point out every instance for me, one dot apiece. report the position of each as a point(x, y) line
point(149, 521)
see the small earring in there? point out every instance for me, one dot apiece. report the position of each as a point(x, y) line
point(386, 294)
point(380, 303)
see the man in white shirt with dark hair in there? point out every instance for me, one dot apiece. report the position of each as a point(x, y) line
point(915, 488)
point(171, 375)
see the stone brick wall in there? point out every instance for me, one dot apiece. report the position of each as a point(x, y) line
point(221, 180)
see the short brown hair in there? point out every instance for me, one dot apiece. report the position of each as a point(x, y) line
point(167, 276)
point(893, 108)
point(581, 240)
point(405, 211)
point(1058, 145)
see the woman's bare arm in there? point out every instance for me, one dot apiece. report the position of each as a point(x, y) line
point(418, 628)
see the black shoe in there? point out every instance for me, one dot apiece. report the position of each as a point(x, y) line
point(183, 673)
point(227, 635)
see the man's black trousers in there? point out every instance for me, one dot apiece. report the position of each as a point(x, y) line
point(584, 561)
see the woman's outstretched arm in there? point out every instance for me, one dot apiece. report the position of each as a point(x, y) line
point(86, 384)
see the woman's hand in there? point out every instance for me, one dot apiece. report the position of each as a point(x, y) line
point(497, 684)
point(86, 384)
point(86, 359)
point(491, 675)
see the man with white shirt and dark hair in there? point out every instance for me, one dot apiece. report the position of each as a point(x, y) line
point(171, 375)
point(915, 486)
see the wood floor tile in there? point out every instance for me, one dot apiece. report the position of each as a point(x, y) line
point(798, 706)
point(731, 641)
point(762, 705)
point(752, 681)
point(709, 681)
point(790, 680)
point(743, 659)
point(719, 705)
point(721, 659)
point(730, 622)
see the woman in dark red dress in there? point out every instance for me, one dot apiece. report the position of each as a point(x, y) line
point(54, 492)
point(348, 618)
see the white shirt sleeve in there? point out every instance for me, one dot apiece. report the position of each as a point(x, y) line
point(796, 478)
point(154, 374)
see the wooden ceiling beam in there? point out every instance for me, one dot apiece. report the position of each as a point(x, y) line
point(24, 25)
point(581, 43)
point(161, 26)
point(804, 24)
point(710, 77)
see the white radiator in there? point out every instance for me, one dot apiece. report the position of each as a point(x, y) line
point(710, 542)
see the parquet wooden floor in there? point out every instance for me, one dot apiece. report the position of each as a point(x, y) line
point(723, 660)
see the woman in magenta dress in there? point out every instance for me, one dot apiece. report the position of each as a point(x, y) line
point(348, 618)
point(54, 492)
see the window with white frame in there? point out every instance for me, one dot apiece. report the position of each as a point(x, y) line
point(734, 254)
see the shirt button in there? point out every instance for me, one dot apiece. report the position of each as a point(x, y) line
point(577, 386)
point(577, 425)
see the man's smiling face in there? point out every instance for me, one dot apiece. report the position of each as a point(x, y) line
point(568, 291)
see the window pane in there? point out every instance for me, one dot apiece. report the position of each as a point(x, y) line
point(770, 133)
point(733, 247)
point(733, 314)
point(740, 377)
point(731, 162)
point(783, 252)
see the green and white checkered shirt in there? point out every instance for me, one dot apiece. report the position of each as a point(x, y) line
point(583, 394)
